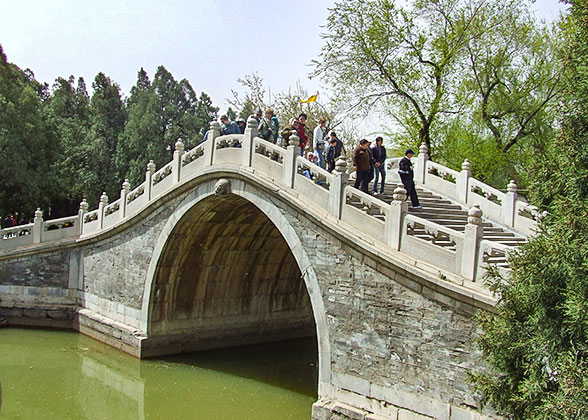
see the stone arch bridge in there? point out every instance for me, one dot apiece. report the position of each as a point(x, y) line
point(232, 243)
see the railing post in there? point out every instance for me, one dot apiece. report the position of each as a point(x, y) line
point(337, 187)
point(509, 204)
point(473, 234)
point(247, 143)
point(463, 181)
point(148, 179)
point(395, 218)
point(421, 166)
point(38, 227)
point(101, 205)
point(81, 212)
point(213, 133)
point(292, 153)
point(177, 165)
point(124, 192)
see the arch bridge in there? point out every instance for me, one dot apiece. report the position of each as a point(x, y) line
point(241, 241)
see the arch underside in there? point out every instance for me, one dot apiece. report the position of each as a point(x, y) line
point(226, 277)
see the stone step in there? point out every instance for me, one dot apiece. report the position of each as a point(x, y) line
point(441, 215)
point(435, 211)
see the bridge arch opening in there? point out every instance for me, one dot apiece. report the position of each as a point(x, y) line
point(226, 277)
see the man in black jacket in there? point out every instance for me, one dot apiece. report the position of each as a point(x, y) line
point(379, 158)
point(407, 176)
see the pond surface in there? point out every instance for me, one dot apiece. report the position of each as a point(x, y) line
point(48, 374)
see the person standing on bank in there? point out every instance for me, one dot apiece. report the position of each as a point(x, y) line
point(406, 173)
point(318, 141)
point(361, 164)
point(379, 157)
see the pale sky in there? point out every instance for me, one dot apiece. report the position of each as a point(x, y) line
point(210, 43)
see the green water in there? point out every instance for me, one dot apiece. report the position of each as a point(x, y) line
point(65, 375)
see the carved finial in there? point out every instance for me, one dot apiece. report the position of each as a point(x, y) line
point(215, 127)
point(251, 122)
point(341, 165)
point(38, 214)
point(126, 185)
point(222, 186)
point(179, 146)
point(294, 140)
point(399, 194)
point(84, 205)
point(151, 166)
point(475, 215)
point(104, 198)
point(423, 149)
point(511, 187)
point(466, 165)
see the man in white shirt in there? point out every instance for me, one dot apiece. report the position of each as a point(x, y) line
point(318, 141)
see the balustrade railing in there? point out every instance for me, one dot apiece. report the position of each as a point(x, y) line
point(327, 195)
point(505, 208)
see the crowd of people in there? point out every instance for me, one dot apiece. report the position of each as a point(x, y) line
point(369, 163)
point(368, 160)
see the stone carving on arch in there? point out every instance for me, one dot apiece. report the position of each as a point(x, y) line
point(262, 201)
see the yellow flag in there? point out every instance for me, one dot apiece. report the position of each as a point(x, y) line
point(311, 99)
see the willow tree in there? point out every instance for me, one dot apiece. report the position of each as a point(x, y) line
point(431, 66)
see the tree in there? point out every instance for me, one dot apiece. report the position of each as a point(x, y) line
point(253, 98)
point(442, 68)
point(160, 114)
point(28, 142)
point(71, 109)
point(536, 343)
point(108, 118)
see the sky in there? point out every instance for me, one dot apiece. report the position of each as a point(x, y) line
point(210, 43)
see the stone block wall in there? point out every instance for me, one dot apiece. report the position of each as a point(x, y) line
point(36, 289)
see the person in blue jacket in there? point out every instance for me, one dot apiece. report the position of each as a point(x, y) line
point(228, 127)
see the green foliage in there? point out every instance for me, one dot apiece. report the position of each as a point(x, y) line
point(71, 109)
point(537, 342)
point(160, 114)
point(107, 121)
point(442, 70)
point(28, 142)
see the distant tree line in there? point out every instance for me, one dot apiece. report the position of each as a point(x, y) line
point(58, 144)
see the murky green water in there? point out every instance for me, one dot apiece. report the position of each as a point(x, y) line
point(65, 375)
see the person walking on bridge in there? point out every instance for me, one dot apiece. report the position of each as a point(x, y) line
point(362, 165)
point(379, 159)
point(405, 170)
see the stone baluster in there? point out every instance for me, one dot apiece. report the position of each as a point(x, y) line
point(124, 192)
point(421, 165)
point(395, 218)
point(247, 143)
point(213, 133)
point(337, 187)
point(81, 212)
point(509, 204)
point(473, 234)
point(177, 164)
point(463, 181)
point(292, 153)
point(149, 180)
point(38, 227)
point(101, 206)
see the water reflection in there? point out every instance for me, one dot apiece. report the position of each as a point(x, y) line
point(57, 374)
